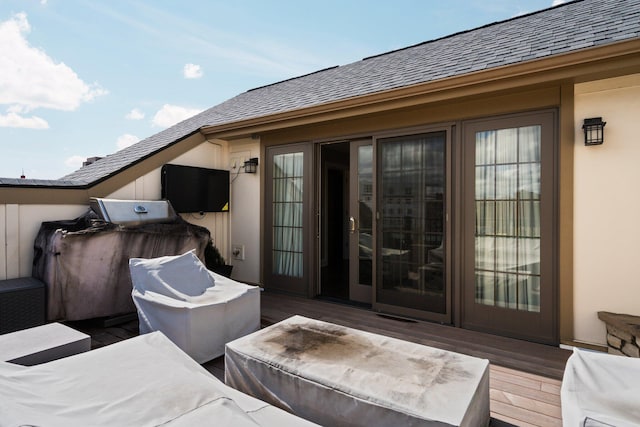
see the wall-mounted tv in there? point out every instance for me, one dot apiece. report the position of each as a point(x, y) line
point(194, 189)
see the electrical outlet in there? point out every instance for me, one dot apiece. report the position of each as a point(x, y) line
point(235, 163)
point(238, 252)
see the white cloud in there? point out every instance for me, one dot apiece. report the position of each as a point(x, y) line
point(169, 115)
point(192, 71)
point(15, 120)
point(31, 79)
point(75, 161)
point(126, 140)
point(558, 2)
point(135, 114)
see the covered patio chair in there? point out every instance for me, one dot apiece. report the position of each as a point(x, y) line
point(197, 309)
point(600, 389)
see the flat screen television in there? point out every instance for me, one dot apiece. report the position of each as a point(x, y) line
point(194, 189)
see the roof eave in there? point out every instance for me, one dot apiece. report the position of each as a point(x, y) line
point(596, 62)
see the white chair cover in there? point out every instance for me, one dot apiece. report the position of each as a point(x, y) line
point(600, 389)
point(200, 311)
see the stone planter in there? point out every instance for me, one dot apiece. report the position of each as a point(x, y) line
point(623, 333)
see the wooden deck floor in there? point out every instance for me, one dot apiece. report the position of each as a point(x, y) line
point(525, 378)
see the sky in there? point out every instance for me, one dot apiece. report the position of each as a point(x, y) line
point(84, 78)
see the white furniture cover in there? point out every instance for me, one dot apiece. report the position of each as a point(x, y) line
point(42, 344)
point(338, 376)
point(200, 311)
point(600, 389)
point(85, 264)
point(143, 381)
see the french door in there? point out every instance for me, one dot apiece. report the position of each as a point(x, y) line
point(345, 214)
point(422, 225)
point(509, 281)
point(288, 219)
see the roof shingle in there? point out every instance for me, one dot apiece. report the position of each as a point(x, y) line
point(561, 29)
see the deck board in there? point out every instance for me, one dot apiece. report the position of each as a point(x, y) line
point(525, 378)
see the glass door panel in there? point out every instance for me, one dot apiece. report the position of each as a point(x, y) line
point(287, 204)
point(412, 227)
point(507, 235)
point(361, 221)
point(509, 281)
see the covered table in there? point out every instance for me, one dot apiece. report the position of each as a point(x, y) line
point(142, 381)
point(333, 375)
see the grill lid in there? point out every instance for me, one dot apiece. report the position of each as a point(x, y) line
point(132, 212)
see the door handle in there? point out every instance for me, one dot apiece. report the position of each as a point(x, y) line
point(352, 224)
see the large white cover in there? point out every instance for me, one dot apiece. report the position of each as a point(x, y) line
point(200, 311)
point(143, 381)
point(334, 375)
point(85, 264)
point(600, 389)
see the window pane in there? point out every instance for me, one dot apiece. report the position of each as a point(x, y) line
point(485, 218)
point(506, 218)
point(529, 144)
point(287, 214)
point(484, 288)
point(485, 183)
point(529, 219)
point(506, 290)
point(506, 182)
point(506, 146)
point(530, 181)
point(485, 253)
point(507, 245)
point(529, 256)
point(506, 255)
point(365, 159)
point(529, 293)
point(485, 148)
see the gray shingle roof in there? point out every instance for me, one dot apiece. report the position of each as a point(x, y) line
point(565, 28)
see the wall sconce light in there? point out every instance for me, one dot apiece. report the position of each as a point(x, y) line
point(593, 131)
point(251, 165)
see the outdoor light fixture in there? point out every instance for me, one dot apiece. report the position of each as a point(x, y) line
point(593, 131)
point(251, 165)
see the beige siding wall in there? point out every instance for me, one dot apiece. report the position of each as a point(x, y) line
point(19, 224)
point(606, 205)
point(245, 210)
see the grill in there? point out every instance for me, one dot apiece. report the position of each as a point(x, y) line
point(132, 212)
point(84, 262)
